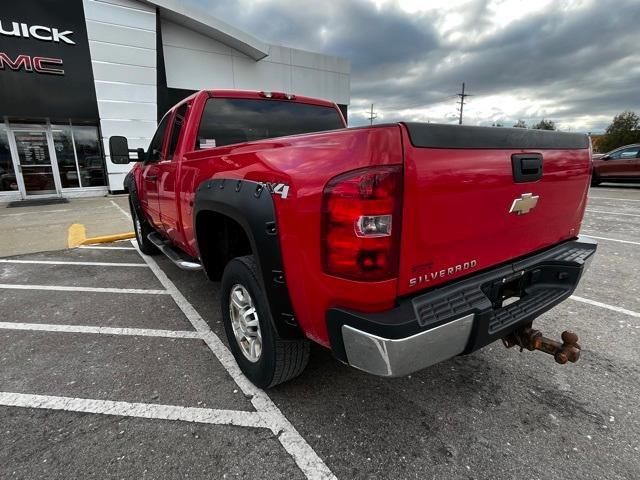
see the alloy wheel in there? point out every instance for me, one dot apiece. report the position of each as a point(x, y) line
point(245, 323)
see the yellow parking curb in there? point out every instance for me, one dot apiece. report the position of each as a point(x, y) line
point(109, 238)
point(77, 236)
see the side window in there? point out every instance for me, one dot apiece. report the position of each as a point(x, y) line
point(629, 153)
point(176, 129)
point(625, 153)
point(155, 148)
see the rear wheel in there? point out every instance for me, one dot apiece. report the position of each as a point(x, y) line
point(595, 181)
point(264, 357)
point(142, 229)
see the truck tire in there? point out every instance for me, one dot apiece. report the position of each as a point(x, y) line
point(267, 360)
point(142, 228)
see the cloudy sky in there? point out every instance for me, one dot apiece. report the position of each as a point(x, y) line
point(576, 62)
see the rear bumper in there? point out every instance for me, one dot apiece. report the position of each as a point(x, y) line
point(460, 317)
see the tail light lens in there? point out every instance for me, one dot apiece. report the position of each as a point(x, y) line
point(361, 223)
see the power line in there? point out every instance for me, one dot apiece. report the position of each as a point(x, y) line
point(462, 96)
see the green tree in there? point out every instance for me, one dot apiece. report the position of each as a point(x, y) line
point(520, 124)
point(545, 125)
point(624, 129)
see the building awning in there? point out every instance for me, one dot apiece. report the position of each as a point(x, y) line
point(195, 19)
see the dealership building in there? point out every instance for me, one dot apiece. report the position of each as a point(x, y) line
point(75, 72)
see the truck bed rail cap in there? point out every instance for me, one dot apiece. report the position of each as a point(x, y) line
point(433, 135)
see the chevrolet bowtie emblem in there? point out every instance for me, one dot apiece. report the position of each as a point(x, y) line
point(524, 204)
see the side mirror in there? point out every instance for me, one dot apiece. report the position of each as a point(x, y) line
point(605, 157)
point(119, 150)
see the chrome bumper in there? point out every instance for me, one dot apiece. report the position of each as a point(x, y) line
point(469, 313)
point(398, 357)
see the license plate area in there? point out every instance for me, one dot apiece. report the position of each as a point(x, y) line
point(507, 291)
point(521, 296)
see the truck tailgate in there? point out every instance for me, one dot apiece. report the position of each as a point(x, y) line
point(473, 200)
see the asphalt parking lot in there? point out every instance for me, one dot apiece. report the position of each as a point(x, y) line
point(114, 365)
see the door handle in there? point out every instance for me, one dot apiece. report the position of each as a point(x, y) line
point(151, 178)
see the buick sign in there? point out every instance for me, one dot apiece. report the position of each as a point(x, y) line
point(39, 32)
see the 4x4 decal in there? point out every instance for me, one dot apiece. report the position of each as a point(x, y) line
point(281, 189)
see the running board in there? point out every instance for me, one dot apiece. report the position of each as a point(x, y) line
point(176, 256)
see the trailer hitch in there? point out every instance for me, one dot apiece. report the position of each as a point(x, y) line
point(531, 339)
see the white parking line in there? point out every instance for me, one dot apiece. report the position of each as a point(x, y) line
point(142, 332)
point(139, 410)
point(56, 262)
point(122, 210)
point(605, 305)
point(610, 239)
point(629, 189)
point(613, 213)
point(39, 212)
point(615, 198)
point(305, 457)
point(59, 288)
point(97, 247)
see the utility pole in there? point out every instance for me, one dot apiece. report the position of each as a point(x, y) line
point(372, 116)
point(462, 96)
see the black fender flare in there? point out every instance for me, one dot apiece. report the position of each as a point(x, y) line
point(251, 205)
point(129, 182)
point(130, 187)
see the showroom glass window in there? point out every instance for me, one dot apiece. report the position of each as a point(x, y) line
point(65, 154)
point(8, 181)
point(89, 154)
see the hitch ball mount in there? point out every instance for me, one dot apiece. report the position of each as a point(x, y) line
point(531, 339)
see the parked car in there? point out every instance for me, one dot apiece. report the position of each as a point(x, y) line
point(619, 165)
point(396, 246)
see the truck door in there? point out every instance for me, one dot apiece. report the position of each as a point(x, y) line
point(149, 195)
point(168, 173)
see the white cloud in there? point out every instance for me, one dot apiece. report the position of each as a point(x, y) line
point(573, 61)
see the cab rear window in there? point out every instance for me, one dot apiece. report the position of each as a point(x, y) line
point(226, 121)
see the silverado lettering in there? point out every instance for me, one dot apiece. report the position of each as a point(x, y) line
point(442, 273)
point(336, 262)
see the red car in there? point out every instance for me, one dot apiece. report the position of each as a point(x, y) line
point(619, 165)
point(396, 246)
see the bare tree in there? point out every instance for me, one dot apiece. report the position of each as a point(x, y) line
point(545, 125)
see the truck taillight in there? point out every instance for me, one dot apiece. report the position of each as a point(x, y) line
point(361, 223)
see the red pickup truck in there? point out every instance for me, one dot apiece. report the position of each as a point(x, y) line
point(396, 246)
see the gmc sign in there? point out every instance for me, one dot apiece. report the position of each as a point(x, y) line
point(31, 64)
